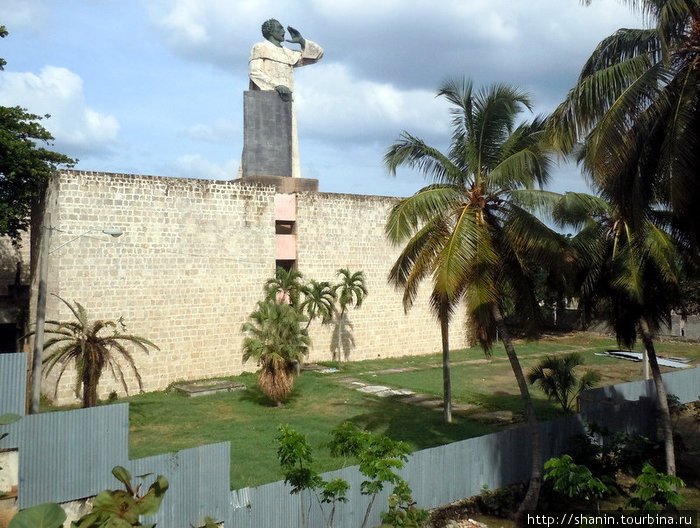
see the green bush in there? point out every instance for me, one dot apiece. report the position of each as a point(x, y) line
point(654, 491)
point(499, 502)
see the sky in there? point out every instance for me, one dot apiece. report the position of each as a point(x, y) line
point(156, 86)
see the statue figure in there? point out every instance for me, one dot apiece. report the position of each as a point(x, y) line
point(271, 67)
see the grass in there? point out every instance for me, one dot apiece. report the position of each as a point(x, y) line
point(489, 381)
point(168, 421)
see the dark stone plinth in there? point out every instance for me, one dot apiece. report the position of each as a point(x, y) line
point(267, 135)
point(283, 185)
point(202, 388)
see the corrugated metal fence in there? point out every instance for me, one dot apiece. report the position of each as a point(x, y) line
point(69, 455)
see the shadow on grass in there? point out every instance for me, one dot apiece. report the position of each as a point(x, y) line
point(503, 401)
point(419, 426)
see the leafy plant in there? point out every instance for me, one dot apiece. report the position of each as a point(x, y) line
point(402, 509)
point(295, 455)
point(47, 515)
point(606, 452)
point(556, 377)
point(92, 349)
point(655, 491)
point(333, 492)
point(378, 456)
point(498, 502)
point(122, 508)
point(276, 339)
point(110, 509)
point(575, 480)
point(7, 419)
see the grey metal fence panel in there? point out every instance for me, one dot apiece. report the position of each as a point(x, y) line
point(685, 384)
point(69, 455)
point(198, 484)
point(13, 383)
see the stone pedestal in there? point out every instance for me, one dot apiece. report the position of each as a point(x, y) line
point(267, 135)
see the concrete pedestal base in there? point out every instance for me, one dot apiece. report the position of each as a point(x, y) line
point(281, 184)
point(267, 135)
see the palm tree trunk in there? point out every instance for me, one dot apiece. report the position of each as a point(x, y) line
point(90, 380)
point(446, 382)
point(529, 503)
point(665, 413)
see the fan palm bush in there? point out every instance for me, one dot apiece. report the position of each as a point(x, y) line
point(276, 339)
point(92, 346)
point(556, 377)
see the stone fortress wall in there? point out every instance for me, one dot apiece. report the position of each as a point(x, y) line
point(192, 262)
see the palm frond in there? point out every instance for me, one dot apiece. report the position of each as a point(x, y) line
point(409, 215)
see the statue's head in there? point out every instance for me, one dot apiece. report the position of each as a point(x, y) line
point(273, 30)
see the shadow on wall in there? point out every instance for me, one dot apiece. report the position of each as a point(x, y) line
point(342, 341)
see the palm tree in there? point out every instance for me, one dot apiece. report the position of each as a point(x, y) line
point(285, 286)
point(350, 292)
point(556, 377)
point(628, 275)
point(92, 346)
point(637, 106)
point(471, 230)
point(319, 302)
point(276, 339)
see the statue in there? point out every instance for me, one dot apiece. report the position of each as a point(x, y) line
point(271, 67)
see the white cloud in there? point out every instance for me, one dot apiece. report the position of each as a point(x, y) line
point(30, 14)
point(220, 132)
point(332, 103)
point(59, 92)
point(197, 166)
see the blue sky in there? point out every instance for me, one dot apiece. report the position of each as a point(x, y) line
point(155, 86)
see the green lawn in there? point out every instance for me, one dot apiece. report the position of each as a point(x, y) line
point(168, 421)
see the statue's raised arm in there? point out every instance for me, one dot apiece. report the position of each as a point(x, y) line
point(271, 65)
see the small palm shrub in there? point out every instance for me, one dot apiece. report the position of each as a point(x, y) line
point(277, 341)
point(556, 377)
point(92, 346)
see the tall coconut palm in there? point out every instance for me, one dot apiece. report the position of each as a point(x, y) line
point(471, 231)
point(637, 106)
point(350, 292)
point(277, 341)
point(92, 346)
point(635, 113)
point(319, 302)
point(628, 275)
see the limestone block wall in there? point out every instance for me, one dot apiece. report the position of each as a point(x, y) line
point(192, 263)
point(185, 274)
point(347, 231)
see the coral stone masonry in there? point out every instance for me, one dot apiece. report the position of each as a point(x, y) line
point(193, 260)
